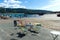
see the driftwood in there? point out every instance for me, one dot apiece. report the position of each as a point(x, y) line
point(4, 17)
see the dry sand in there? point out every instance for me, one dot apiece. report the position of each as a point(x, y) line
point(50, 21)
point(47, 22)
point(51, 24)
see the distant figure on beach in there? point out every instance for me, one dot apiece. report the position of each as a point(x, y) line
point(15, 23)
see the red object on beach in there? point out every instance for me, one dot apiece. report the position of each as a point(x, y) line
point(20, 21)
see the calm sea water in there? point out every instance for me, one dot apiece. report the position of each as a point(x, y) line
point(19, 15)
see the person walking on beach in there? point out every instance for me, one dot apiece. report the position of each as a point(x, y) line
point(15, 23)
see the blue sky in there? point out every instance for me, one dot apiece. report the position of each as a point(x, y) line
point(52, 5)
point(34, 3)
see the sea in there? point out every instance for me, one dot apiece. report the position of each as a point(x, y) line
point(18, 15)
point(22, 15)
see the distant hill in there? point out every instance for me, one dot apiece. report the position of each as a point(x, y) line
point(22, 10)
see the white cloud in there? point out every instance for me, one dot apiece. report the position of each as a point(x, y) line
point(12, 4)
point(54, 5)
point(12, 1)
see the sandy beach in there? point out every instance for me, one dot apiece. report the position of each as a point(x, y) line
point(51, 24)
point(46, 21)
point(48, 24)
point(50, 21)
